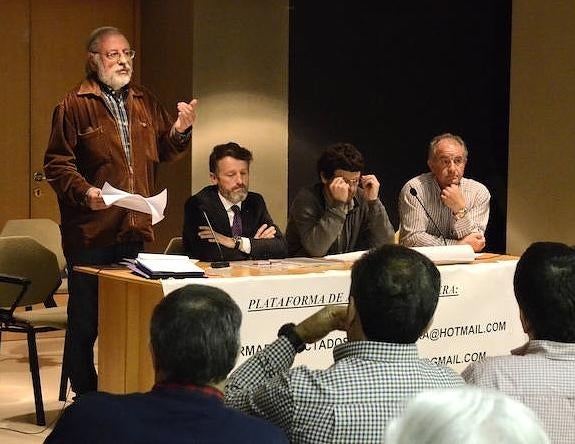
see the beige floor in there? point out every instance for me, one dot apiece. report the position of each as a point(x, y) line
point(16, 396)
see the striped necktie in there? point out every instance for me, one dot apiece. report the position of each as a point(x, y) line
point(237, 221)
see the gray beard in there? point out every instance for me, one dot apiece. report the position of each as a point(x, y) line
point(115, 81)
point(235, 196)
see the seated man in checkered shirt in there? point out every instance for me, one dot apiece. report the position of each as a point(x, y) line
point(393, 295)
point(541, 373)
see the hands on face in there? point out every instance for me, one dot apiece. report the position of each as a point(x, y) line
point(341, 189)
point(318, 325)
point(370, 186)
point(452, 197)
point(186, 115)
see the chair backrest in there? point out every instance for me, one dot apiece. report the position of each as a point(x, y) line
point(23, 256)
point(45, 231)
point(175, 246)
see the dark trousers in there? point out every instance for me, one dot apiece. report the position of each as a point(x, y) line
point(82, 328)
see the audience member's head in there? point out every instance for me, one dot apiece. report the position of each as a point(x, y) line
point(545, 291)
point(395, 291)
point(340, 156)
point(465, 415)
point(194, 333)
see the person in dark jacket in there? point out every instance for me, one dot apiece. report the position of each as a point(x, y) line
point(239, 218)
point(194, 336)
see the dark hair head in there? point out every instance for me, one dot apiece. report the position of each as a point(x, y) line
point(194, 334)
point(341, 156)
point(230, 149)
point(544, 286)
point(395, 290)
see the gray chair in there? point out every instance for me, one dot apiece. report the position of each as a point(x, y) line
point(47, 233)
point(30, 275)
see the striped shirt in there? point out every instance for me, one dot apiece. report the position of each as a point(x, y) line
point(540, 374)
point(350, 402)
point(416, 228)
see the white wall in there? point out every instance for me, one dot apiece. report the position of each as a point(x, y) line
point(240, 76)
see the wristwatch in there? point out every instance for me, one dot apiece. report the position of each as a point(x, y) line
point(288, 331)
point(238, 242)
point(460, 214)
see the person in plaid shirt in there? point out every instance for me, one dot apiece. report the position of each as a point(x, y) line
point(541, 373)
point(393, 295)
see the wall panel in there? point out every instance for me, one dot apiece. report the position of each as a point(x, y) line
point(15, 110)
point(542, 136)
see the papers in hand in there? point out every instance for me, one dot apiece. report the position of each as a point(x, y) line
point(154, 205)
point(448, 254)
point(161, 266)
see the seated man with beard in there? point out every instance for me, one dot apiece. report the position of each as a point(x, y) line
point(240, 220)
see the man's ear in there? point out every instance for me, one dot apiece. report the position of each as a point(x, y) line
point(323, 179)
point(429, 162)
point(213, 178)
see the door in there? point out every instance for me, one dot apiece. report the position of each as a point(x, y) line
point(46, 47)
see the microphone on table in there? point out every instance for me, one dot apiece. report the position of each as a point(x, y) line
point(413, 192)
point(218, 264)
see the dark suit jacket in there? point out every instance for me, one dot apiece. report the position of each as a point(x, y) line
point(165, 415)
point(254, 214)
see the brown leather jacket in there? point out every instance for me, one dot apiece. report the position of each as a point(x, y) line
point(85, 150)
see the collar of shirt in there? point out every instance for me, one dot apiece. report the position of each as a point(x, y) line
point(121, 93)
point(228, 207)
point(561, 351)
point(207, 390)
point(376, 351)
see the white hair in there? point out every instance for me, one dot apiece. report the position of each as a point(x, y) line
point(465, 415)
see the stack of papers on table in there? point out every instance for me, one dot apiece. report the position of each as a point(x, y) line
point(449, 254)
point(161, 266)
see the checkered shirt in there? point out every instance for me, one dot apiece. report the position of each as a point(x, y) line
point(540, 374)
point(349, 402)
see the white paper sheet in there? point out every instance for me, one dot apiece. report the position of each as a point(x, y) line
point(448, 254)
point(154, 205)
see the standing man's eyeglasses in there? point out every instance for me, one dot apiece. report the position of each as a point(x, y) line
point(117, 55)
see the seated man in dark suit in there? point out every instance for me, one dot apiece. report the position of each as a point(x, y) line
point(240, 220)
point(194, 335)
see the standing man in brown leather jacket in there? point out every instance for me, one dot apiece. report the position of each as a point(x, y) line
point(105, 130)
